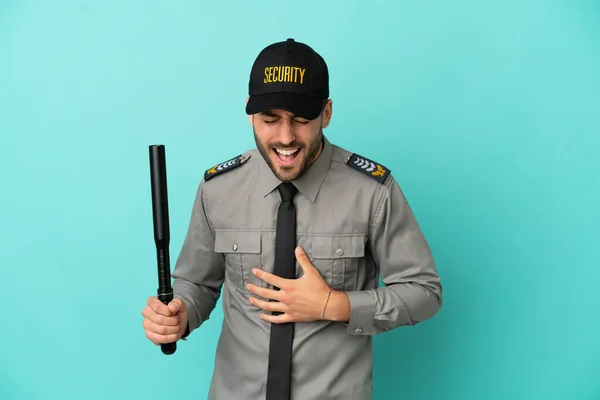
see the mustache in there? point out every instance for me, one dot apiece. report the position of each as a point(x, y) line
point(289, 146)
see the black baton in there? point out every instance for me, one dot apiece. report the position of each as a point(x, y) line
point(160, 213)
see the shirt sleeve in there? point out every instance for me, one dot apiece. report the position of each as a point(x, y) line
point(199, 272)
point(412, 291)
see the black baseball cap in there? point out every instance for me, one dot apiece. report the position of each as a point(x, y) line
point(291, 76)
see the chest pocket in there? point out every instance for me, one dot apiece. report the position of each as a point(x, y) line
point(242, 252)
point(338, 259)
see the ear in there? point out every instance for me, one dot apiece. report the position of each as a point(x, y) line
point(327, 112)
point(250, 117)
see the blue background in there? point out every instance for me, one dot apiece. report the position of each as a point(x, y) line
point(488, 114)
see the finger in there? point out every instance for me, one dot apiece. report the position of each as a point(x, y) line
point(159, 319)
point(268, 305)
point(159, 339)
point(159, 329)
point(176, 305)
point(271, 279)
point(266, 293)
point(303, 260)
point(277, 319)
point(159, 307)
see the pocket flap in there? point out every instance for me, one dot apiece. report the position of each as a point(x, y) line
point(237, 242)
point(338, 246)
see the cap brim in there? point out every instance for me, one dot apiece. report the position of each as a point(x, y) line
point(302, 106)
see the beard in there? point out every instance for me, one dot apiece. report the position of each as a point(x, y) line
point(286, 174)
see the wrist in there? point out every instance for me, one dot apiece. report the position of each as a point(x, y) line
point(186, 331)
point(338, 307)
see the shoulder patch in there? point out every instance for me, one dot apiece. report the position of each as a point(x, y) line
point(368, 167)
point(225, 166)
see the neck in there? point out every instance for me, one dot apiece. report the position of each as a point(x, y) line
point(321, 146)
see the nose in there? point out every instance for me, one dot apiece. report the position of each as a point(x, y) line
point(286, 133)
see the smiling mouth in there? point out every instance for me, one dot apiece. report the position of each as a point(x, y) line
point(286, 157)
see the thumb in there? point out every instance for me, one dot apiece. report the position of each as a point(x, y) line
point(303, 260)
point(175, 305)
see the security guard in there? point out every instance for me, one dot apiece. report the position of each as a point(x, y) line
point(294, 235)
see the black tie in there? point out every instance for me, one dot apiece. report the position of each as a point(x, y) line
point(280, 348)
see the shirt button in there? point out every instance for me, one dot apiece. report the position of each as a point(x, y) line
point(358, 330)
point(340, 252)
point(234, 247)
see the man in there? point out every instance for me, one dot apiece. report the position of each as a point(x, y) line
point(336, 220)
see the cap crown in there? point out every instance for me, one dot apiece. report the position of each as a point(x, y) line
point(291, 67)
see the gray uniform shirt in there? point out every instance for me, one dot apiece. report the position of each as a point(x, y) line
point(354, 230)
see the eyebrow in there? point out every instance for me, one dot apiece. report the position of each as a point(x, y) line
point(269, 114)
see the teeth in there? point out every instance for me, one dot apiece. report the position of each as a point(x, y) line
point(286, 152)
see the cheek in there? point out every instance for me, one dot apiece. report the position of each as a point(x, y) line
point(306, 134)
point(264, 134)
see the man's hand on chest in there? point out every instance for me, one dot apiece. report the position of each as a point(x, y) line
point(298, 300)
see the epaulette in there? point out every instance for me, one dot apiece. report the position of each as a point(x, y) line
point(225, 166)
point(368, 167)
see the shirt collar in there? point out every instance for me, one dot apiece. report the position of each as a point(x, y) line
point(309, 183)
